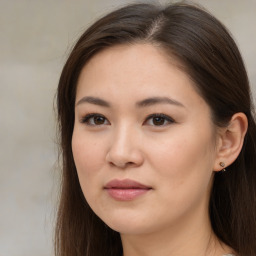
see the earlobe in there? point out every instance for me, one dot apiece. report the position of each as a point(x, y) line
point(231, 139)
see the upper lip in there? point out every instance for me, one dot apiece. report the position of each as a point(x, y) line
point(125, 184)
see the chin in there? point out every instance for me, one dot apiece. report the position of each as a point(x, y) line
point(130, 225)
point(129, 229)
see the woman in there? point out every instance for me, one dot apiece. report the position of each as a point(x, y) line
point(158, 138)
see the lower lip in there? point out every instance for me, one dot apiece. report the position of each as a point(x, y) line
point(126, 194)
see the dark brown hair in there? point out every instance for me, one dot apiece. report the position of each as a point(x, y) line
point(209, 55)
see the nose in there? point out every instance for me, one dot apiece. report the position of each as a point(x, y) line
point(125, 149)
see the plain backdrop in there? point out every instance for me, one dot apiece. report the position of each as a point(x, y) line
point(35, 39)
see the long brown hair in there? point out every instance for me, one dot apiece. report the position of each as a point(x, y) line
point(210, 57)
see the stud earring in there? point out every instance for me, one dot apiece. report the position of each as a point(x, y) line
point(222, 164)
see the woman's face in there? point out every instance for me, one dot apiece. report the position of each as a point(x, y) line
point(143, 141)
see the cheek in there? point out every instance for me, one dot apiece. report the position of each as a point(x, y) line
point(86, 151)
point(88, 155)
point(183, 179)
point(184, 162)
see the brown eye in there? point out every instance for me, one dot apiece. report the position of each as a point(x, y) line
point(98, 120)
point(158, 120)
point(95, 120)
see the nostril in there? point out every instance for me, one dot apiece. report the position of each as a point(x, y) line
point(123, 159)
point(122, 165)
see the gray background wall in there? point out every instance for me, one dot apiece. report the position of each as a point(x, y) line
point(35, 38)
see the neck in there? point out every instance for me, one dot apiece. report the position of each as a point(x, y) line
point(185, 238)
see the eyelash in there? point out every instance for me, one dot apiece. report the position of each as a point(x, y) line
point(164, 117)
point(86, 119)
point(167, 119)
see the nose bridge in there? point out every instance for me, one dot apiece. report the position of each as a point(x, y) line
point(124, 146)
point(123, 138)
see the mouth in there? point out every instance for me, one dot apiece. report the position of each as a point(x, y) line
point(126, 190)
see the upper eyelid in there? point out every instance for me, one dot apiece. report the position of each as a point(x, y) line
point(91, 115)
point(161, 115)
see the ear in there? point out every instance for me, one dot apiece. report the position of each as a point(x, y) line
point(230, 141)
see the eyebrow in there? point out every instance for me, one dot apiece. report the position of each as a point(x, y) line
point(158, 100)
point(93, 100)
point(144, 103)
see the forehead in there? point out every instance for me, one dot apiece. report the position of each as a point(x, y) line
point(139, 70)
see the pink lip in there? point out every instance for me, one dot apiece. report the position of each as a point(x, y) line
point(126, 190)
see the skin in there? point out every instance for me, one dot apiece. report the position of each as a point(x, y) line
point(177, 158)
